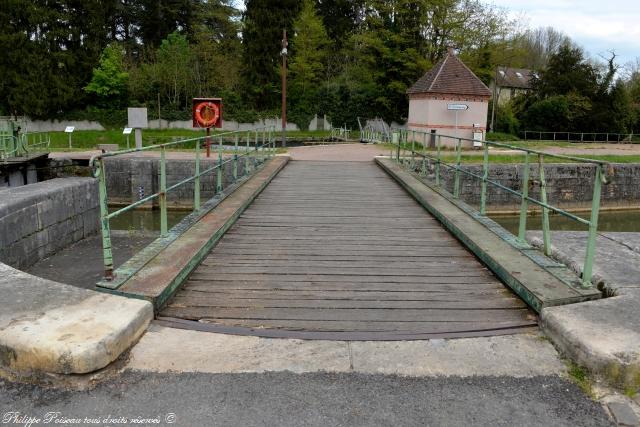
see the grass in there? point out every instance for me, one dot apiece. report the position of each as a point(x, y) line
point(88, 139)
point(579, 375)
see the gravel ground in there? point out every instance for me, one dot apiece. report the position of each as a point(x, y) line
point(316, 399)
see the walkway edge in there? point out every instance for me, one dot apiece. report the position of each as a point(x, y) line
point(160, 277)
point(50, 327)
point(536, 286)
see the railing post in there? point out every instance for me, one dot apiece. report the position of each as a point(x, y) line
point(107, 255)
point(438, 143)
point(219, 186)
point(163, 193)
point(587, 269)
point(546, 238)
point(235, 159)
point(456, 182)
point(196, 181)
point(485, 176)
point(395, 139)
point(413, 149)
point(524, 203)
point(248, 163)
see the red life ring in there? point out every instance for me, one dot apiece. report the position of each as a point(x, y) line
point(207, 114)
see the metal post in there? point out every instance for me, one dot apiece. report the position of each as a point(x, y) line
point(587, 269)
point(104, 220)
point(413, 150)
point(248, 164)
point(546, 238)
point(524, 203)
point(219, 174)
point(163, 193)
point(438, 143)
point(485, 176)
point(456, 182)
point(196, 181)
point(284, 52)
point(235, 159)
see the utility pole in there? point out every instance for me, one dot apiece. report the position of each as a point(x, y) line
point(283, 53)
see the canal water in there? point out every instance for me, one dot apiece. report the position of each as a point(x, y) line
point(629, 220)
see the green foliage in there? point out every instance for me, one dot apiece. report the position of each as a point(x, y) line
point(109, 81)
point(501, 137)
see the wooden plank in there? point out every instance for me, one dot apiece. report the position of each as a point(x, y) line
point(334, 250)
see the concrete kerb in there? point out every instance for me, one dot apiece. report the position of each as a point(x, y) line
point(603, 335)
point(50, 327)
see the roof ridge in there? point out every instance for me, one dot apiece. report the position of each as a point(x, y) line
point(439, 71)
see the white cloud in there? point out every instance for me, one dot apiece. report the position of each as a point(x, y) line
point(596, 25)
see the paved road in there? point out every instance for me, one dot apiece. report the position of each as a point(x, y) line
point(317, 399)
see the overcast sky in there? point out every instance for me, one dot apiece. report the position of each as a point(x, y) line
point(597, 25)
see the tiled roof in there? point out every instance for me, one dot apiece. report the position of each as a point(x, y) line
point(514, 77)
point(450, 76)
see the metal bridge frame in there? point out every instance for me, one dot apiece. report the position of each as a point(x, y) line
point(413, 150)
point(264, 147)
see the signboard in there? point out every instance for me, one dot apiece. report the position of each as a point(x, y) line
point(137, 118)
point(207, 112)
point(457, 107)
point(127, 131)
point(69, 129)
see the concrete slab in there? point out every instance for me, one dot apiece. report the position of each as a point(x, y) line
point(164, 349)
point(51, 327)
point(602, 335)
point(617, 261)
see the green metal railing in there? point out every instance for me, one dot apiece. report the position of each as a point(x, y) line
point(263, 148)
point(410, 149)
point(23, 144)
point(340, 134)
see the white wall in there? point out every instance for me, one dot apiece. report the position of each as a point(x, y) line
point(427, 114)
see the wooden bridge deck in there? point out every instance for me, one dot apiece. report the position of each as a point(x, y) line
point(338, 250)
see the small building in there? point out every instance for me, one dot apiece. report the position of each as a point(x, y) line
point(511, 82)
point(448, 85)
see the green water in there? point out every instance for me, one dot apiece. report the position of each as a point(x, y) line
point(608, 221)
point(145, 220)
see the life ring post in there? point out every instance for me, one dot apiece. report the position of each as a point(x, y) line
point(208, 142)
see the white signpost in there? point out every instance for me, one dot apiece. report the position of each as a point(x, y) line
point(456, 108)
point(127, 131)
point(69, 130)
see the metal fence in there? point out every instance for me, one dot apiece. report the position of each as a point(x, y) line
point(340, 134)
point(23, 144)
point(264, 147)
point(600, 137)
point(409, 149)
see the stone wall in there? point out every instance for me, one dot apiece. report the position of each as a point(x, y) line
point(37, 220)
point(568, 185)
point(131, 178)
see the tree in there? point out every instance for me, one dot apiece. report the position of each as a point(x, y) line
point(308, 56)
point(263, 22)
point(109, 81)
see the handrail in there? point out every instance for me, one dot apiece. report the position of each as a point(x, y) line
point(264, 147)
point(402, 142)
point(22, 144)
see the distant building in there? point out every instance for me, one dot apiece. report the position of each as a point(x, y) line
point(510, 82)
point(447, 84)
